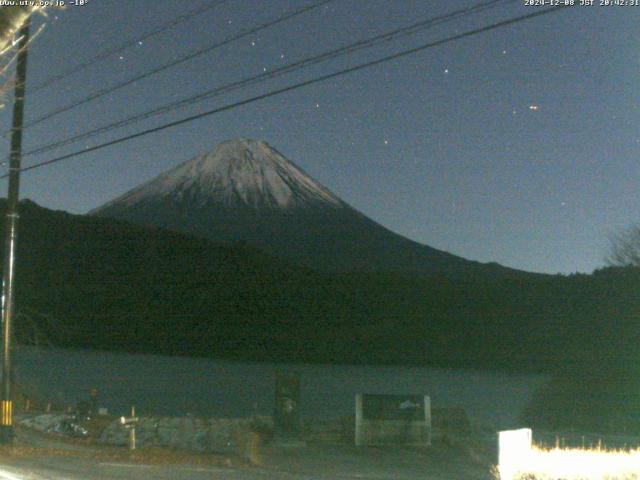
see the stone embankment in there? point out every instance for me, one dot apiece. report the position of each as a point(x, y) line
point(213, 435)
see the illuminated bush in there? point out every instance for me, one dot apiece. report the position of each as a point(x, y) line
point(579, 464)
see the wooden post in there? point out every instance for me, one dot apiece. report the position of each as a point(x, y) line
point(130, 424)
point(132, 432)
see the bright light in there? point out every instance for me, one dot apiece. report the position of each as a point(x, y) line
point(11, 20)
point(581, 464)
point(4, 475)
point(537, 463)
point(513, 447)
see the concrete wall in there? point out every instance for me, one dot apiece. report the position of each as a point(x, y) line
point(177, 386)
point(213, 435)
point(204, 435)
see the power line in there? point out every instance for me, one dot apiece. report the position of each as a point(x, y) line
point(173, 63)
point(345, 50)
point(297, 86)
point(127, 44)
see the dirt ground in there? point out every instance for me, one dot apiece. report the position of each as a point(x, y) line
point(450, 457)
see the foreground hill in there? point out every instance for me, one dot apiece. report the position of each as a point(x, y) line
point(99, 283)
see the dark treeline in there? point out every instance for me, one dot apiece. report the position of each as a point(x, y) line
point(91, 282)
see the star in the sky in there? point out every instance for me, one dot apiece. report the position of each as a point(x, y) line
point(533, 107)
point(446, 70)
point(386, 141)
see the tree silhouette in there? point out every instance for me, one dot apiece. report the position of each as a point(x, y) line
point(625, 248)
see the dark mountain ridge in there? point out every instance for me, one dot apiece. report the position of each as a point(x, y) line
point(91, 282)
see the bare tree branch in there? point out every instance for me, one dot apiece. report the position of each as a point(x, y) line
point(625, 249)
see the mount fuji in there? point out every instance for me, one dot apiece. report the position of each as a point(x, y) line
point(246, 191)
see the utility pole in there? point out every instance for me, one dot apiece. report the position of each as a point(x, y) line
point(11, 234)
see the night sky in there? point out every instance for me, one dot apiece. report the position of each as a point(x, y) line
point(519, 145)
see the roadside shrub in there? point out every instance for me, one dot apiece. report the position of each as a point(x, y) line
point(589, 397)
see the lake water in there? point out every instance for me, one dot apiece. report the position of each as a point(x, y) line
point(204, 387)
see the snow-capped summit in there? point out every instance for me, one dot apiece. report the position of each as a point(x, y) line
point(244, 190)
point(237, 173)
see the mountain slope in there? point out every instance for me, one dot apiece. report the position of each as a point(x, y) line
point(92, 282)
point(246, 191)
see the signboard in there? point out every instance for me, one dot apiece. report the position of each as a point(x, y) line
point(393, 420)
point(393, 407)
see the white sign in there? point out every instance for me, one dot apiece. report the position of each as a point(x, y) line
point(514, 446)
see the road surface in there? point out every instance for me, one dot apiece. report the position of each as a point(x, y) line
point(317, 463)
point(40, 457)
